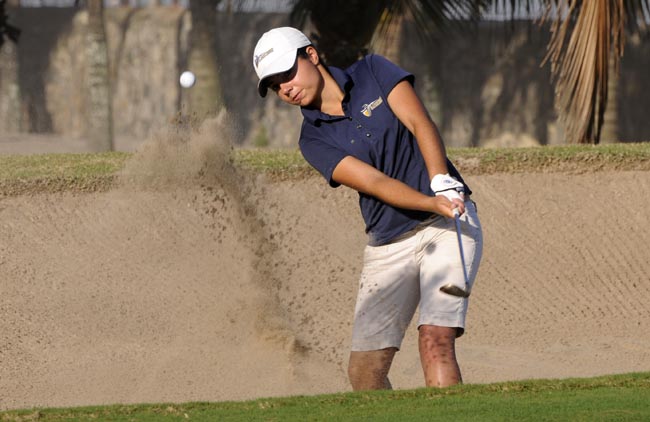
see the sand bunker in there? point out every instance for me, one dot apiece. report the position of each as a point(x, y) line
point(192, 281)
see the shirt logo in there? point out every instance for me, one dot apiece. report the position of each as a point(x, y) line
point(367, 109)
point(261, 57)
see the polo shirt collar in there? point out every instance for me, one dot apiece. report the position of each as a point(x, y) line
point(345, 82)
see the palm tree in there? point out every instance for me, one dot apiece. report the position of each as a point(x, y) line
point(585, 50)
point(346, 27)
point(98, 88)
point(587, 39)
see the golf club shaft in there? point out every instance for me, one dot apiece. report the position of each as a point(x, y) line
point(450, 288)
point(460, 247)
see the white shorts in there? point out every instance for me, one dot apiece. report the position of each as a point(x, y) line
point(399, 276)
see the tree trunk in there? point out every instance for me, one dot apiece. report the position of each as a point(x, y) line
point(609, 131)
point(390, 44)
point(205, 97)
point(98, 90)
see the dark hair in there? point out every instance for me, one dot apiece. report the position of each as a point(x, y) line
point(302, 51)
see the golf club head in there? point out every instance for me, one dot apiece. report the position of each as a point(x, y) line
point(454, 290)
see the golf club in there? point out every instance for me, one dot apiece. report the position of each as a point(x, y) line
point(452, 289)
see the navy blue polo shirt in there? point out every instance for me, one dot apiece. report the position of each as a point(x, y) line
point(372, 133)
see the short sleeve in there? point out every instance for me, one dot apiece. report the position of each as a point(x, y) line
point(387, 73)
point(322, 156)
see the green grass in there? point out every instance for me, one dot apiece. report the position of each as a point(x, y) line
point(47, 173)
point(612, 398)
point(20, 174)
point(572, 158)
point(60, 165)
point(567, 158)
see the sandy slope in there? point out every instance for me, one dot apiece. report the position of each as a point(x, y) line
point(234, 288)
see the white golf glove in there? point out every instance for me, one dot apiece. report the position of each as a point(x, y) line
point(445, 185)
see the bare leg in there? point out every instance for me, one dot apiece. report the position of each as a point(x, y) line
point(438, 356)
point(369, 370)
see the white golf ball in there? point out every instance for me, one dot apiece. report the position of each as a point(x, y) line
point(187, 79)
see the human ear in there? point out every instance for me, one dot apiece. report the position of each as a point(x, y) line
point(313, 55)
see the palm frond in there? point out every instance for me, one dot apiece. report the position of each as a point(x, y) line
point(637, 15)
point(514, 9)
point(585, 36)
point(432, 16)
point(353, 23)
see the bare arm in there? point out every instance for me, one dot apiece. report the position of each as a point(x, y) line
point(364, 178)
point(411, 112)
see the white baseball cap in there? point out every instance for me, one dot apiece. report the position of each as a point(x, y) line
point(275, 53)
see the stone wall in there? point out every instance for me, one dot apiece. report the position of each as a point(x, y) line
point(486, 87)
point(144, 52)
point(483, 87)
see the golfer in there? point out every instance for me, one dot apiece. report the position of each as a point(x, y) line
point(365, 127)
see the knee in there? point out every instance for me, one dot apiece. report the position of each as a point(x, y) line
point(369, 370)
point(363, 371)
point(436, 338)
point(359, 376)
point(353, 370)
